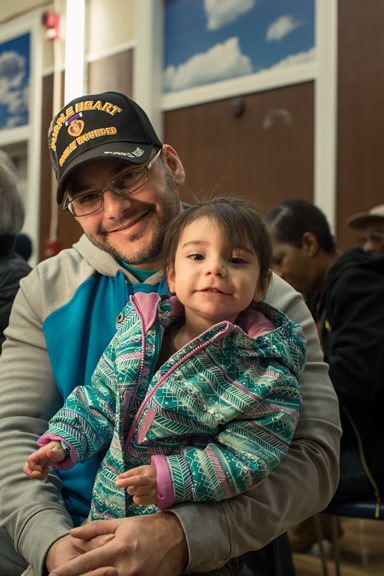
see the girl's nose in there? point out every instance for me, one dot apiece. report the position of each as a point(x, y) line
point(217, 268)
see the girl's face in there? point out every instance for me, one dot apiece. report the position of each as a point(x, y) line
point(213, 283)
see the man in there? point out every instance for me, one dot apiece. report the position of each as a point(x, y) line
point(121, 184)
point(371, 227)
point(345, 295)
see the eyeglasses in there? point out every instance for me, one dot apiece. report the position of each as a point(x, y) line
point(374, 237)
point(124, 185)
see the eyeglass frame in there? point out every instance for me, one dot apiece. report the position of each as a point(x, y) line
point(145, 171)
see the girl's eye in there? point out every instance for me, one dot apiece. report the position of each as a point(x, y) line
point(238, 260)
point(195, 257)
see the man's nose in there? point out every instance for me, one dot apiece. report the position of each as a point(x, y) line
point(113, 204)
point(373, 245)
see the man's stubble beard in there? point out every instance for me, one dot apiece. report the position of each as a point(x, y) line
point(146, 255)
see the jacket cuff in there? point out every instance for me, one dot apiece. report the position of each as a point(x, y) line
point(165, 492)
point(71, 458)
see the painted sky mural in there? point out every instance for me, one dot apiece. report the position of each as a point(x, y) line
point(213, 40)
point(14, 82)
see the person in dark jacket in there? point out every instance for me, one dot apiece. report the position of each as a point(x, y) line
point(23, 245)
point(12, 266)
point(345, 295)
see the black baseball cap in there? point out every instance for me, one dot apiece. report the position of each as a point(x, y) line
point(99, 126)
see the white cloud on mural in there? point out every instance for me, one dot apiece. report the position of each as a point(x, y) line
point(296, 59)
point(13, 91)
point(281, 27)
point(222, 12)
point(12, 68)
point(220, 62)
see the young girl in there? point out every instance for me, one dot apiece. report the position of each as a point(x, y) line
point(196, 397)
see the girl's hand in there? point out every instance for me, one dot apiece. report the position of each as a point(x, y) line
point(140, 483)
point(38, 463)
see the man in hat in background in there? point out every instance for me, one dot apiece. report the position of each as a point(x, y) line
point(371, 227)
point(121, 183)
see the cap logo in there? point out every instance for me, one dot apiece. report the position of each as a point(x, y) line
point(75, 125)
point(69, 113)
point(79, 140)
point(75, 128)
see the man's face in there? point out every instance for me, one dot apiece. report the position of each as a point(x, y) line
point(372, 237)
point(131, 228)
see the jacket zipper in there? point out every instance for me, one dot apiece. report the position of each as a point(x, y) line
point(161, 380)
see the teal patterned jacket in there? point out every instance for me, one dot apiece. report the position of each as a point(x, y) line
point(215, 419)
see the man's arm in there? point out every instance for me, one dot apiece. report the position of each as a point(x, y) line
point(32, 512)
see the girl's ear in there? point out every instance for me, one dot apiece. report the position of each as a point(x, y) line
point(171, 279)
point(262, 287)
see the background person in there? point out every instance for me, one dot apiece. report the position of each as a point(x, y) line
point(219, 398)
point(12, 269)
point(344, 293)
point(371, 227)
point(23, 245)
point(12, 266)
point(104, 148)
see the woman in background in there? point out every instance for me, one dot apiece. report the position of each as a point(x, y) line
point(12, 266)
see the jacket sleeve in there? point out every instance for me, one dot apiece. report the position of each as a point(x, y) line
point(245, 450)
point(33, 513)
point(302, 484)
point(353, 337)
point(86, 421)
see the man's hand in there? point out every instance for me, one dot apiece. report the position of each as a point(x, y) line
point(145, 545)
point(140, 483)
point(62, 551)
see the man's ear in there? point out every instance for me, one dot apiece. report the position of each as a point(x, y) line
point(310, 243)
point(174, 164)
point(262, 287)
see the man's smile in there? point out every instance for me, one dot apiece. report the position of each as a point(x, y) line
point(128, 224)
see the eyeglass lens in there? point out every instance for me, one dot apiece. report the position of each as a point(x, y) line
point(123, 185)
